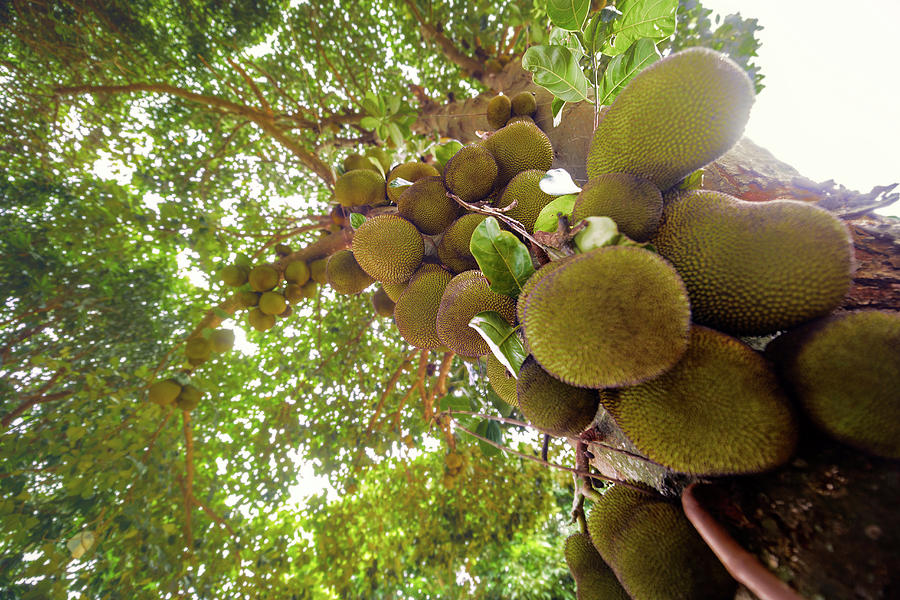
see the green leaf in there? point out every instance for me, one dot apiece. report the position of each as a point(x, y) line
point(221, 313)
point(501, 338)
point(654, 19)
point(595, 34)
point(624, 67)
point(371, 105)
point(445, 152)
point(502, 258)
point(369, 123)
point(556, 69)
point(548, 218)
point(356, 220)
point(567, 40)
point(600, 232)
point(557, 106)
point(491, 431)
point(396, 135)
point(568, 14)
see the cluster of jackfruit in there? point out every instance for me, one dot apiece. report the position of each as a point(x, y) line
point(501, 110)
point(169, 392)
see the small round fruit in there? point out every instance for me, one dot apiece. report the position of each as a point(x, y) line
point(222, 340)
point(272, 303)
point(296, 272)
point(233, 275)
point(260, 321)
point(189, 398)
point(263, 278)
point(164, 392)
point(198, 348)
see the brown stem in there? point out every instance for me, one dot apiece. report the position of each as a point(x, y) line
point(188, 483)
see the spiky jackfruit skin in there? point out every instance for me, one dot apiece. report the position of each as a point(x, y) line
point(634, 203)
point(189, 398)
point(345, 275)
point(551, 405)
point(471, 173)
point(468, 294)
point(388, 248)
point(260, 321)
point(359, 187)
point(296, 272)
point(393, 290)
point(412, 172)
point(519, 147)
point(381, 302)
point(524, 189)
point(501, 381)
point(524, 104)
point(164, 392)
point(272, 303)
point(674, 117)
point(417, 308)
point(263, 278)
point(198, 348)
point(610, 515)
point(453, 249)
point(753, 268)
point(719, 411)
point(845, 372)
point(594, 580)
point(234, 275)
point(317, 270)
point(628, 309)
point(542, 272)
point(427, 206)
point(358, 161)
point(499, 110)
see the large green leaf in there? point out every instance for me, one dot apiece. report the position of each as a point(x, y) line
point(568, 14)
point(624, 67)
point(502, 258)
point(654, 19)
point(501, 337)
point(556, 69)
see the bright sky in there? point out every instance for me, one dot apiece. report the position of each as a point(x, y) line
point(831, 105)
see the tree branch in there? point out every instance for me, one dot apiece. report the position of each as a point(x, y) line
point(446, 45)
point(188, 482)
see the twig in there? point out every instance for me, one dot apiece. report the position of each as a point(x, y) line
point(498, 213)
point(188, 482)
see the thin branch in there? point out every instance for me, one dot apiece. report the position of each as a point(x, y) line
point(498, 213)
point(249, 81)
point(188, 482)
point(447, 46)
point(440, 387)
point(387, 390)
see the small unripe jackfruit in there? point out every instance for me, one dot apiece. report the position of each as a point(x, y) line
point(471, 173)
point(383, 305)
point(222, 340)
point(594, 580)
point(466, 295)
point(359, 187)
point(272, 303)
point(524, 189)
point(164, 392)
point(635, 204)
point(427, 206)
point(389, 248)
point(260, 321)
point(501, 380)
point(317, 270)
point(198, 348)
point(524, 104)
point(189, 398)
point(518, 147)
point(234, 275)
point(551, 405)
point(453, 249)
point(297, 272)
point(411, 172)
point(498, 111)
point(263, 278)
point(416, 311)
point(345, 275)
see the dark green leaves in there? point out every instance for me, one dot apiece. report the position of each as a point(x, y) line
point(356, 220)
point(501, 338)
point(654, 19)
point(624, 67)
point(490, 430)
point(548, 219)
point(556, 69)
point(568, 14)
point(502, 258)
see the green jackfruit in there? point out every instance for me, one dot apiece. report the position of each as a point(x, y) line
point(282, 249)
point(551, 405)
point(468, 294)
point(417, 308)
point(198, 348)
point(610, 515)
point(524, 189)
point(542, 272)
point(272, 303)
point(381, 156)
point(633, 203)
point(524, 104)
point(519, 147)
point(189, 398)
point(222, 340)
point(260, 321)
point(594, 580)
point(297, 272)
point(411, 172)
point(354, 162)
point(293, 293)
point(345, 275)
point(719, 411)
point(263, 278)
point(845, 372)
point(234, 275)
point(317, 270)
point(753, 268)
point(453, 249)
point(164, 392)
point(471, 173)
point(674, 117)
point(359, 187)
point(247, 299)
point(498, 111)
point(389, 248)
point(309, 289)
point(426, 205)
point(383, 305)
point(502, 382)
point(627, 308)
point(393, 290)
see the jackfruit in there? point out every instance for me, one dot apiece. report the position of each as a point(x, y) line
point(502, 382)
point(222, 340)
point(393, 290)
point(520, 119)
point(629, 309)
point(297, 272)
point(411, 172)
point(633, 203)
point(164, 392)
point(471, 173)
point(381, 156)
point(498, 111)
point(383, 305)
point(468, 294)
point(198, 348)
point(355, 162)
point(753, 268)
point(345, 275)
point(845, 372)
point(453, 249)
point(272, 303)
point(524, 104)
point(293, 293)
point(282, 249)
point(610, 515)
point(518, 147)
point(543, 271)
point(260, 321)
point(247, 299)
point(189, 398)
point(309, 289)
point(427, 206)
point(674, 117)
point(719, 411)
point(416, 311)
point(551, 405)
point(317, 270)
point(234, 275)
point(524, 189)
point(359, 187)
point(388, 248)
point(594, 580)
point(263, 278)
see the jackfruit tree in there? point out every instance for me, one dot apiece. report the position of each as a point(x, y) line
point(293, 308)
